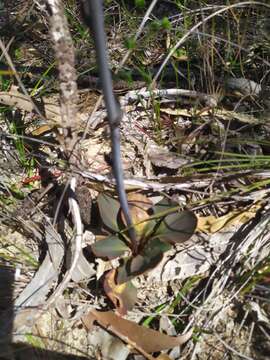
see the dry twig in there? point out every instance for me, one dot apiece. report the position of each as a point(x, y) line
point(64, 52)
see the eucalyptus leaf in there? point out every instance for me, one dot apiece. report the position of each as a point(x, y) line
point(110, 248)
point(177, 227)
point(109, 209)
point(147, 339)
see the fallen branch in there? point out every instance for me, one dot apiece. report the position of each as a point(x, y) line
point(134, 95)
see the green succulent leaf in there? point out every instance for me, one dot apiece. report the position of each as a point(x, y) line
point(149, 226)
point(164, 205)
point(177, 227)
point(138, 206)
point(109, 209)
point(154, 246)
point(109, 248)
point(148, 259)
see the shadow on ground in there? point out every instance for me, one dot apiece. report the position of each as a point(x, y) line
point(18, 351)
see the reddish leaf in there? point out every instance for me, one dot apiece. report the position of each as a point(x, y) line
point(123, 296)
point(147, 339)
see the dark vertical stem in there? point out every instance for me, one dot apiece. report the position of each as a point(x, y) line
point(93, 16)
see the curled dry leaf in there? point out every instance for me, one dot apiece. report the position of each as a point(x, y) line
point(123, 295)
point(136, 335)
point(211, 224)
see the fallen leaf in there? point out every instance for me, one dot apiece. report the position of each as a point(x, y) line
point(147, 339)
point(177, 112)
point(139, 200)
point(162, 157)
point(220, 113)
point(163, 357)
point(123, 296)
point(211, 224)
point(23, 102)
point(34, 294)
point(205, 222)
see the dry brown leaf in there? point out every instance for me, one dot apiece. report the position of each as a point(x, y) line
point(220, 113)
point(139, 200)
point(176, 112)
point(123, 296)
point(181, 112)
point(23, 102)
point(211, 224)
point(163, 357)
point(161, 157)
point(244, 118)
point(51, 110)
point(147, 339)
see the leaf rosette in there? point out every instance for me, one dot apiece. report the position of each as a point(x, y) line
point(157, 227)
